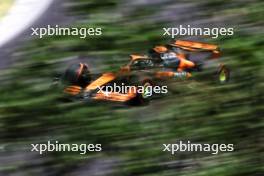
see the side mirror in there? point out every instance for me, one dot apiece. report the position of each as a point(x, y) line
point(125, 69)
point(216, 54)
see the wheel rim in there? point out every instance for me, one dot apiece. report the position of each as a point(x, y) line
point(223, 76)
point(146, 87)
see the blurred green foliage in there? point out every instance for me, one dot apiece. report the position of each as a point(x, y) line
point(132, 137)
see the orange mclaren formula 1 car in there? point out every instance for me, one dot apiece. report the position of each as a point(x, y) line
point(180, 59)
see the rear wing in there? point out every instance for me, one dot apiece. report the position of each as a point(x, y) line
point(196, 46)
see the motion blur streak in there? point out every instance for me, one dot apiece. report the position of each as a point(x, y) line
point(31, 111)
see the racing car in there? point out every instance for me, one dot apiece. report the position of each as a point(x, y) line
point(177, 60)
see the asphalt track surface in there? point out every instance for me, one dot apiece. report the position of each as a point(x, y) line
point(54, 14)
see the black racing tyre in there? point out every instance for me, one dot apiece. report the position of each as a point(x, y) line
point(144, 92)
point(77, 74)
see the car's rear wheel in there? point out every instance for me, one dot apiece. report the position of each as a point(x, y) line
point(223, 74)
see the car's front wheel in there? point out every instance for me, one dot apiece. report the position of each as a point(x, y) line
point(77, 74)
point(144, 92)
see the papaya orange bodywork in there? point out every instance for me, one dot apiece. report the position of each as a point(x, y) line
point(185, 64)
point(157, 72)
point(194, 45)
point(105, 78)
point(135, 57)
point(72, 90)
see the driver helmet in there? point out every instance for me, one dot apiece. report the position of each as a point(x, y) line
point(160, 49)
